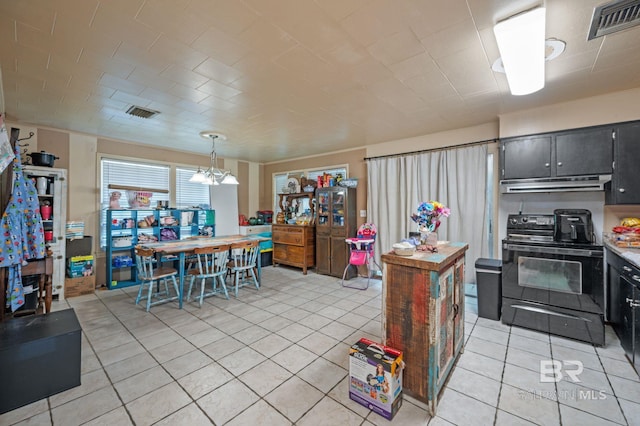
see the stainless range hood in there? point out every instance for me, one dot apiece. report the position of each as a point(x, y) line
point(556, 184)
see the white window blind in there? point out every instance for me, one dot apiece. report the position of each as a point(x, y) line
point(128, 173)
point(190, 194)
point(118, 172)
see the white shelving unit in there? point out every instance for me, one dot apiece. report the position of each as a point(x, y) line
point(56, 196)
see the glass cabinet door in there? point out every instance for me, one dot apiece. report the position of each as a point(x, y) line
point(323, 208)
point(337, 208)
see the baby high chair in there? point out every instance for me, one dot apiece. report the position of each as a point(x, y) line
point(362, 252)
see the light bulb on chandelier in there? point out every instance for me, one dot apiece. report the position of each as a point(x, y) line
point(213, 175)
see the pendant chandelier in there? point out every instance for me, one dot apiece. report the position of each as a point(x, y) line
point(213, 175)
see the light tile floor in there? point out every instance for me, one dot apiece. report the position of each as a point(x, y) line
point(278, 356)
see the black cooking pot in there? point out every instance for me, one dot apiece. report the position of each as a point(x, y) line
point(42, 158)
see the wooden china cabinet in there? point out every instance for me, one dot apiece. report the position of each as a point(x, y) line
point(336, 221)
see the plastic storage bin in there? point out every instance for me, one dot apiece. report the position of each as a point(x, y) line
point(489, 283)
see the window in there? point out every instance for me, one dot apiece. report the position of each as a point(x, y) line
point(152, 176)
point(280, 179)
point(189, 194)
point(126, 173)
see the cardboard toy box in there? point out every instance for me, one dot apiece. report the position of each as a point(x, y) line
point(375, 377)
point(78, 286)
point(80, 266)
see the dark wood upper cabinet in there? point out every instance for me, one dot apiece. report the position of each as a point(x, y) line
point(578, 152)
point(624, 187)
point(584, 152)
point(526, 157)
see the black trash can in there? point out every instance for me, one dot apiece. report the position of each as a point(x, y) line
point(489, 284)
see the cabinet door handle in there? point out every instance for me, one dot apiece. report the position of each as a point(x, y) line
point(635, 278)
point(626, 268)
point(546, 164)
point(560, 163)
point(621, 189)
point(632, 303)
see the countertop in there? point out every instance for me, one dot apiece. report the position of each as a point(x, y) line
point(632, 255)
point(426, 260)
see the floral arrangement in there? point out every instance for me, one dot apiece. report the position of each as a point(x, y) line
point(429, 214)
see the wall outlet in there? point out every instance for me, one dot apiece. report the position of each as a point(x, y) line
point(363, 213)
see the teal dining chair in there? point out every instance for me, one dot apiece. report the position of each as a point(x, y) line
point(210, 263)
point(151, 275)
point(243, 264)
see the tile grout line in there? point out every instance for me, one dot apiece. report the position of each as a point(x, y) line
point(504, 367)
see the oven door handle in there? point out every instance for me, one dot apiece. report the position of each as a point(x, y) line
point(554, 250)
point(548, 312)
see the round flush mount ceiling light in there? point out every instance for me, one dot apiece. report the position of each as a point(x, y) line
point(210, 134)
point(553, 49)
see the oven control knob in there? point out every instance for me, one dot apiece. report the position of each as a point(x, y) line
point(525, 219)
point(513, 221)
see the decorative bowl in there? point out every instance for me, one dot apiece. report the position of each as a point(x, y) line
point(349, 183)
point(404, 249)
point(308, 188)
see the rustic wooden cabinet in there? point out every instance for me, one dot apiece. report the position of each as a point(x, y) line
point(336, 221)
point(423, 316)
point(294, 245)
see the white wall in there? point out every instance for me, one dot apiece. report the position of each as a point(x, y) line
point(478, 133)
point(610, 108)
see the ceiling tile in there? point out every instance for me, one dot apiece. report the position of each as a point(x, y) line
point(219, 90)
point(117, 20)
point(215, 43)
point(340, 9)
point(396, 48)
point(231, 17)
point(436, 15)
point(266, 39)
point(183, 76)
point(460, 36)
point(174, 52)
point(39, 16)
point(341, 73)
point(414, 66)
point(218, 71)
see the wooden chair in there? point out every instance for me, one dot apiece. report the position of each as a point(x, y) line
point(244, 263)
point(210, 262)
point(150, 273)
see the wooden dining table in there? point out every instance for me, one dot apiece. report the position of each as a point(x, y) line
point(181, 248)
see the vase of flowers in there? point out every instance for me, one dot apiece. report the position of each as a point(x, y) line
point(428, 220)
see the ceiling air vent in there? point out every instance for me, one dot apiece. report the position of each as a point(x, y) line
point(614, 16)
point(137, 111)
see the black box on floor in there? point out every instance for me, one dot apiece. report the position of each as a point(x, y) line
point(266, 258)
point(79, 246)
point(39, 357)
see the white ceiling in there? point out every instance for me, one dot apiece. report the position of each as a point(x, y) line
point(286, 78)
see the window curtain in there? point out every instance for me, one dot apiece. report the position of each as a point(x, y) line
point(455, 177)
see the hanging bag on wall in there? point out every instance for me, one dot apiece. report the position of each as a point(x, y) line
point(6, 153)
